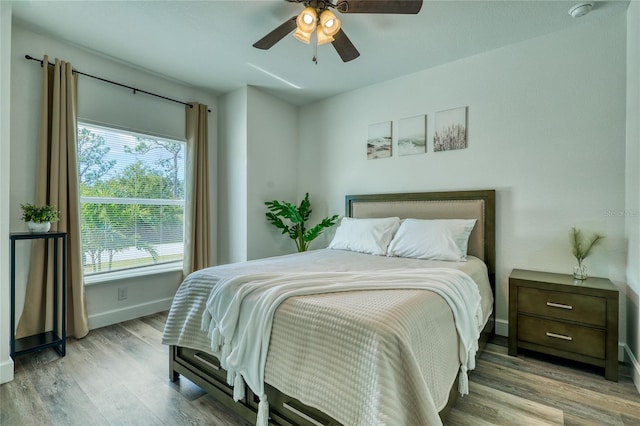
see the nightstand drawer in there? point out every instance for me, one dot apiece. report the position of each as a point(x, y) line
point(566, 306)
point(567, 337)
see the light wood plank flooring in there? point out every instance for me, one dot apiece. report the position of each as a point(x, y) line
point(118, 375)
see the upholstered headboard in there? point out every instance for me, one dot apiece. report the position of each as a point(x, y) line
point(478, 205)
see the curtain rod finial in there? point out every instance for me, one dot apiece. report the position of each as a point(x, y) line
point(31, 58)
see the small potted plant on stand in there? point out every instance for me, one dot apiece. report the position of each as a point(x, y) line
point(39, 218)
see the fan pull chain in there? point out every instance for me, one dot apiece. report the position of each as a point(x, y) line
point(315, 52)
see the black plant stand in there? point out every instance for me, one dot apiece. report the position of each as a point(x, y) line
point(55, 338)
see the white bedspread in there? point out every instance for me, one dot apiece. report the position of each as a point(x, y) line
point(317, 340)
point(240, 312)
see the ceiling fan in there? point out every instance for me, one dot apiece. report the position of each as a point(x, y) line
point(318, 17)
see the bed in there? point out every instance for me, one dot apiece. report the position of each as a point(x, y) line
point(311, 375)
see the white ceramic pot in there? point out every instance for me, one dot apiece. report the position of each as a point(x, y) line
point(39, 227)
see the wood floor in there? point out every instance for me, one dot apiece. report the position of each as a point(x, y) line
point(118, 375)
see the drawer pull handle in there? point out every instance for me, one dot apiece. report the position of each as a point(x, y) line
point(559, 336)
point(205, 362)
point(301, 414)
point(559, 305)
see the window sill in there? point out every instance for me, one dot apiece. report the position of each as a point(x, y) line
point(132, 273)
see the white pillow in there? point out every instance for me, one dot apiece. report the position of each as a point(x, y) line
point(440, 239)
point(365, 235)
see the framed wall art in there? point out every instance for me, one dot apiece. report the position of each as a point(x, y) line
point(450, 130)
point(412, 135)
point(379, 140)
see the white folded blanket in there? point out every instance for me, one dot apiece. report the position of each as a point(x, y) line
point(240, 310)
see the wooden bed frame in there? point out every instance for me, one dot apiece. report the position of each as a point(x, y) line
point(204, 369)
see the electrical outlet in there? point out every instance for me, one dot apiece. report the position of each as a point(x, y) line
point(122, 293)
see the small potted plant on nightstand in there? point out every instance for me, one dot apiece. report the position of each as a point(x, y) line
point(39, 218)
point(581, 248)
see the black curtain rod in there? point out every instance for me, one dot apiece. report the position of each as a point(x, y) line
point(115, 83)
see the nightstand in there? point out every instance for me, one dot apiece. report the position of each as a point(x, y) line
point(555, 315)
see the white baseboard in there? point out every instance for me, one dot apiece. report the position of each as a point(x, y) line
point(6, 371)
point(128, 313)
point(502, 327)
point(635, 367)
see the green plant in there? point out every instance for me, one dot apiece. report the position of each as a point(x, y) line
point(297, 217)
point(39, 214)
point(581, 247)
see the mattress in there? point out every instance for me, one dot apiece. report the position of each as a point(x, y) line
point(314, 339)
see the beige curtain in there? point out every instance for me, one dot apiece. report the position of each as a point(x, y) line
point(57, 184)
point(197, 229)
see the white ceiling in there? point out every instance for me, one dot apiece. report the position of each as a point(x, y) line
point(208, 44)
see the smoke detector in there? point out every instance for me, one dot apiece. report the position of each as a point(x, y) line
point(580, 9)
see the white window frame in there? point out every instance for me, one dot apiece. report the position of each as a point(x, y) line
point(160, 268)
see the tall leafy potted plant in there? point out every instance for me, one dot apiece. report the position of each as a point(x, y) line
point(39, 218)
point(292, 220)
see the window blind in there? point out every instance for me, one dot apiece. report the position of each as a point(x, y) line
point(132, 198)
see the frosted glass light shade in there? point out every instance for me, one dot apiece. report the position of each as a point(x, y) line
point(302, 36)
point(329, 23)
point(306, 24)
point(323, 38)
point(307, 19)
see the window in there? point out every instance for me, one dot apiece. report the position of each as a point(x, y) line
point(131, 199)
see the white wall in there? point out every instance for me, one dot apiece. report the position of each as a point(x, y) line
point(232, 177)
point(546, 130)
point(146, 295)
point(258, 156)
point(632, 206)
point(105, 103)
point(6, 363)
point(272, 137)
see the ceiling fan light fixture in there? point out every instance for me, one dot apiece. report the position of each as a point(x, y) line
point(317, 16)
point(305, 25)
point(302, 36)
point(329, 23)
point(323, 37)
point(307, 20)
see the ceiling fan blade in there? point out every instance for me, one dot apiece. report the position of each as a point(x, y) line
point(344, 47)
point(276, 35)
point(382, 6)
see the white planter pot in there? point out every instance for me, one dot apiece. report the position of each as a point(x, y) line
point(39, 227)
